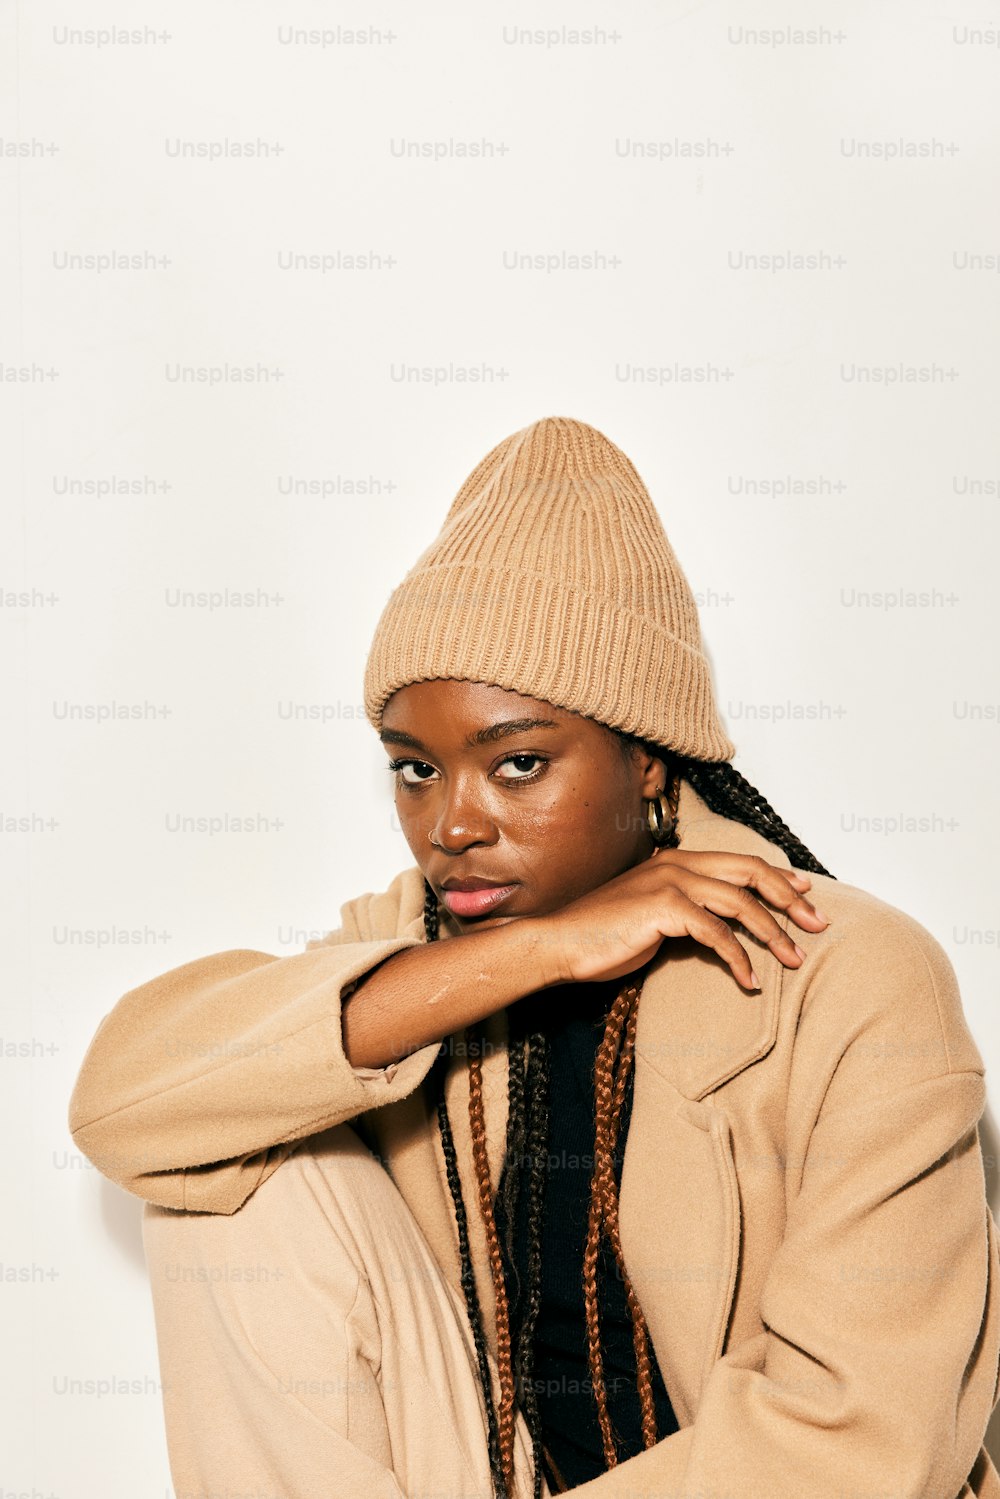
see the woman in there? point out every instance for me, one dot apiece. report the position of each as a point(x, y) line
point(555, 1206)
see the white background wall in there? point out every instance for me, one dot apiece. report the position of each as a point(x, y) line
point(872, 148)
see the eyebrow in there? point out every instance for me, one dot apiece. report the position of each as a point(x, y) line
point(489, 735)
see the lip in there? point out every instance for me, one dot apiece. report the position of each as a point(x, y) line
point(475, 902)
point(472, 882)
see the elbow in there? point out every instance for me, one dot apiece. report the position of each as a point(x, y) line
point(93, 1103)
point(99, 1128)
point(107, 1149)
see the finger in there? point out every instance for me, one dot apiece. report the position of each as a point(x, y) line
point(772, 882)
point(739, 904)
point(710, 931)
point(769, 880)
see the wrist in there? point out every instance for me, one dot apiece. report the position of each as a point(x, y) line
point(540, 956)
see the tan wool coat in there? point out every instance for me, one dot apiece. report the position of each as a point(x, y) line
point(803, 1210)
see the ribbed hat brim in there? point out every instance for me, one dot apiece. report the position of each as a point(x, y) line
point(508, 628)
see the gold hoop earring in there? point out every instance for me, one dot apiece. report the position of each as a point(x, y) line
point(661, 814)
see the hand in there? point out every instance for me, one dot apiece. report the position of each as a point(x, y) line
point(618, 927)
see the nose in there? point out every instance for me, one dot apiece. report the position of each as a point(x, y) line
point(462, 817)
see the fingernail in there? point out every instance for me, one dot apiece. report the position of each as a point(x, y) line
point(820, 915)
point(798, 949)
point(755, 980)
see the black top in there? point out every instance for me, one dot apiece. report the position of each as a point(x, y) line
point(574, 1018)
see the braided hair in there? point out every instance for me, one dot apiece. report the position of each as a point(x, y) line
point(727, 792)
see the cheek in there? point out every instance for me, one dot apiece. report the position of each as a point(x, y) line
point(568, 826)
point(590, 829)
point(408, 820)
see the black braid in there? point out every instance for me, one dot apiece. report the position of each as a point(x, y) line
point(468, 1275)
point(510, 1180)
point(725, 791)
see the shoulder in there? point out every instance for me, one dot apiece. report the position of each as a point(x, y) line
point(876, 979)
point(882, 979)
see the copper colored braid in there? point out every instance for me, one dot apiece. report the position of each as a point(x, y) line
point(499, 1484)
point(640, 1332)
point(609, 1098)
point(602, 1094)
point(477, 1122)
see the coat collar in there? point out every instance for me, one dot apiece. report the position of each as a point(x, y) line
point(679, 1210)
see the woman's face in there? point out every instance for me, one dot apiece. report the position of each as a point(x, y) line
point(553, 809)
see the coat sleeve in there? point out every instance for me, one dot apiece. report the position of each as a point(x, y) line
point(197, 1084)
point(877, 1367)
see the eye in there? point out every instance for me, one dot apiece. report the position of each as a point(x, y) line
point(399, 768)
point(529, 777)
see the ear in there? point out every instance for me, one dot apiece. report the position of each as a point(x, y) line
point(651, 765)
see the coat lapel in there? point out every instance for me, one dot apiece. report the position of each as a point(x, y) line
point(679, 1212)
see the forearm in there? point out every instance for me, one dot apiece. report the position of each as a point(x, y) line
point(426, 993)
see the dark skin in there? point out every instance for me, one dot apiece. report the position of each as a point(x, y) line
point(560, 811)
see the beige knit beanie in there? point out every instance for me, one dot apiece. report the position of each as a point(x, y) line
point(552, 576)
